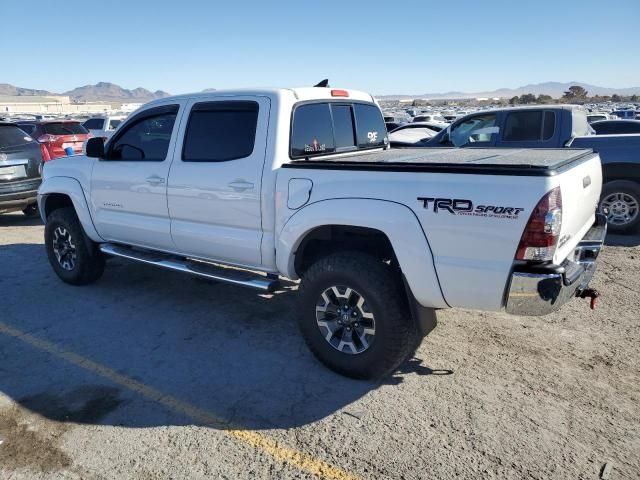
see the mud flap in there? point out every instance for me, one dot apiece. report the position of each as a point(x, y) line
point(424, 318)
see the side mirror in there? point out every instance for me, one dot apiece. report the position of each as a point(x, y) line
point(95, 147)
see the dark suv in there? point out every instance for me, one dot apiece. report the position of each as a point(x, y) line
point(20, 170)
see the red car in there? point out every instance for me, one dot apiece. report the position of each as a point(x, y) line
point(55, 136)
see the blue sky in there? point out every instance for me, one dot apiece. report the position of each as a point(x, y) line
point(381, 47)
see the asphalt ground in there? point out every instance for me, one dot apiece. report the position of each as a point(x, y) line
point(151, 374)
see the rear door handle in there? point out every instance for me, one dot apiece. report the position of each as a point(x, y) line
point(155, 180)
point(240, 185)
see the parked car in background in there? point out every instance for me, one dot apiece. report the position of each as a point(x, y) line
point(20, 170)
point(555, 126)
point(412, 133)
point(55, 136)
point(103, 126)
point(392, 122)
point(625, 114)
point(432, 117)
point(616, 127)
point(596, 117)
point(392, 125)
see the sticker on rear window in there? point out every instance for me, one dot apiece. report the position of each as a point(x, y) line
point(315, 146)
point(372, 136)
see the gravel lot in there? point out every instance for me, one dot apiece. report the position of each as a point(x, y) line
point(151, 374)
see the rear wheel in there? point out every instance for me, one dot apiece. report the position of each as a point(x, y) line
point(355, 317)
point(620, 202)
point(73, 256)
point(31, 210)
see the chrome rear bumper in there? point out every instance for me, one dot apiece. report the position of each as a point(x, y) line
point(537, 291)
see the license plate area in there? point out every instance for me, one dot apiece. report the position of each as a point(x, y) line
point(13, 173)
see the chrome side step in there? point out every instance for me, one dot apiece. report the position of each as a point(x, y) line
point(194, 267)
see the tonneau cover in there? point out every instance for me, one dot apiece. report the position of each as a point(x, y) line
point(488, 161)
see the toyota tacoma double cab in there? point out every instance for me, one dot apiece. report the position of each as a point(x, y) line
point(255, 187)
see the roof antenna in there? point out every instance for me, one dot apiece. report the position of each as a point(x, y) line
point(323, 84)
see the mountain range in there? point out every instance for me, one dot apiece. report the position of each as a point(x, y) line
point(110, 92)
point(554, 89)
point(101, 91)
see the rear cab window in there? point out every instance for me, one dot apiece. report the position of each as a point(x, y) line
point(323, 128)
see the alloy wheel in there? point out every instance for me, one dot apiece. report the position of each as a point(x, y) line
point(64, 248)
point(620, 208)
point(344, 319)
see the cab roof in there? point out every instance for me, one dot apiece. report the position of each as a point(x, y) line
point(300, 94)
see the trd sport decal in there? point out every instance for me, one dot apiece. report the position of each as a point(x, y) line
point(459, 206)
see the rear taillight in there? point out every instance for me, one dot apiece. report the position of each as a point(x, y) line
point(47, 138)
point(541, 234)
point(45, 153)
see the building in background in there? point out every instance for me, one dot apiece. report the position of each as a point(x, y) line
point(53, 104)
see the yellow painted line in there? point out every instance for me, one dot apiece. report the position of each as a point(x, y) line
point(298, 459)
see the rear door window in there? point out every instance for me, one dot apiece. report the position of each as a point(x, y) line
point(64, 128)
point(529, 126)
point(220, 131)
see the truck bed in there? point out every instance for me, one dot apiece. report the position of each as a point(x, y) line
point(478, 161)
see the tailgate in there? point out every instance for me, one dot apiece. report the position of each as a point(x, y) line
point(580, 186)
point(20, 163)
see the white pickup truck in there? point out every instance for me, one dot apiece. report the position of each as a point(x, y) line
point(248, 187)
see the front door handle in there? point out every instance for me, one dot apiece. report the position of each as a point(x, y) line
point(155, 180)
point(240, 185)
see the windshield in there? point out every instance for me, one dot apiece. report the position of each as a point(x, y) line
point(473, 130)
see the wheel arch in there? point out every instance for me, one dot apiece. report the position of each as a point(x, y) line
point(60, 192)
point(620, 171)
point(387, 229)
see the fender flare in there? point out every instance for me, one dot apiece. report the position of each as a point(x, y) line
point(395, 220)
point(70, 187)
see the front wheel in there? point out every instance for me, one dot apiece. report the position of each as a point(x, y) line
point(354, 315)
point(73, 256)
point(620, 202)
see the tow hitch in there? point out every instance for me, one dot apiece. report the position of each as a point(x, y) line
point(592, 294)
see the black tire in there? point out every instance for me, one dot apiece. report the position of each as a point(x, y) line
point(381, 287)
point(88, 262)
point(628, 192)
point(31, 210)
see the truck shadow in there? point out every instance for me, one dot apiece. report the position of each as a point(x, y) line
point(192, 345)
point(614, 240)
point(18, 220)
